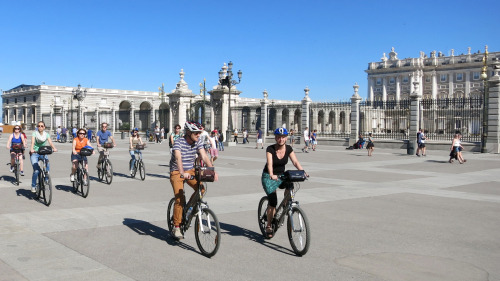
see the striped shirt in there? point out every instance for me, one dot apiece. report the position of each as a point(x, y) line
point(188, 154)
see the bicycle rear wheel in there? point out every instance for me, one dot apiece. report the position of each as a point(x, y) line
point(298, 231)
point(207, 233)
point(84, 182)
point(108, 171)
point(142, 170)
point(47, 189)
point(262, 215)
point(170, 214)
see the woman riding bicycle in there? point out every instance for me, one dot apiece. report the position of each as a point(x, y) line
point(80, 142)
point(134, 140)
point(38, 139)
point(277, 157)
point(16, 144)
point(184, 154)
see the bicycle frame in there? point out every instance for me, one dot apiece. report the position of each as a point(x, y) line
point(197, 204)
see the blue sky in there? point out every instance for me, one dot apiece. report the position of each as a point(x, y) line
point(281, 46)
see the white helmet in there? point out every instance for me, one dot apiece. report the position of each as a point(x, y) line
point(192, 126)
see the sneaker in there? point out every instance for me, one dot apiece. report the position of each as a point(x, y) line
point(262, 148)
point(306, 151)
point(303, 150)
point(12, 169)
point(417, 155)
point(72, 177)
point(177, 233)
point(22, 173)
point(33, 189)
point(131, 172)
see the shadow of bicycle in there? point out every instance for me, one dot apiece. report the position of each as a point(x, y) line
point(10, 179)
point(146, 228)
point(67, 188)
point(26, 193)
point(234, 230)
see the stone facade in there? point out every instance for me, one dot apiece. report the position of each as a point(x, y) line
point(439, 76)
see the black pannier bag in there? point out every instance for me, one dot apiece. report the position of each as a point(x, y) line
point(85, 151)
point(295, 175)
point(45, 150)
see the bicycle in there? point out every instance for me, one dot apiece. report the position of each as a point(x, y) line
point(297, 222)
point(44, 182)
point(206, 227)
point(139, 164)
point(82, 180)
point(106, 170)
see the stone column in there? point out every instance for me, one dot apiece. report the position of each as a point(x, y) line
point(97, 117)
point(398, 87)
point(414, 120)
point(434, 85)
point(132, 115)
point(355, 100)
point(493, 138)
point(370, 89)
point(450, 85)
point(113, 119)
point(467, 84)
point(384, 88)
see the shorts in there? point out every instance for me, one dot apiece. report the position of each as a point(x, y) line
point(78, 157)
point(214, 152)
point(259, 140)
point(307, 142)
point(421, 145)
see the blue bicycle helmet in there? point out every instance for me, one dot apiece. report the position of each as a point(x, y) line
point(281, 131)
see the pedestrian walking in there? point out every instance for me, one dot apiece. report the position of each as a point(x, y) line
point(370, 146)
point(235, 136)
point(306, 140)
point(259, 139)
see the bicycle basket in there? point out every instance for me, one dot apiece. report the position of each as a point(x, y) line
point(139, 146)
point(295, 175)
point(85, 151)
point(206, 174)
point(45, 150)
point(17, 146)
point(108, 145)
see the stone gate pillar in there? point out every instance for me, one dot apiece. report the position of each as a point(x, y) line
point(414, 120)
point(264, 103)
point(493, 138)
point(355, 100)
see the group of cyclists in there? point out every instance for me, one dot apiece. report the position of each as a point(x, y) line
point(186, 147)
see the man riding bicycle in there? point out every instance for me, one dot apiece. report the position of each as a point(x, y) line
point(16, 144)
point(277, 157)
point(103, 136)
point(184, 154)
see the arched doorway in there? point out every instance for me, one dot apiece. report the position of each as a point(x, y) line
point(143, 116)
point(163, 116)
point(123, 116)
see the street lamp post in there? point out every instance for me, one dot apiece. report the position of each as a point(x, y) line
point(80, 95)
point(204, 89)
point(484, 77)
point(228, 82)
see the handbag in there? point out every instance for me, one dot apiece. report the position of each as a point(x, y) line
point(269, 184)
point(295, 175)
point(45, 150)
point(206, 174)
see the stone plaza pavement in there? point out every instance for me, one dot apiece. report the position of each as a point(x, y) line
point(386, 217)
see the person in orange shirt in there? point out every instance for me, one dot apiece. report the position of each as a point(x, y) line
point(78, 143)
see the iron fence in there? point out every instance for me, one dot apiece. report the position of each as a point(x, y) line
point(441, 119)
point(386, 120)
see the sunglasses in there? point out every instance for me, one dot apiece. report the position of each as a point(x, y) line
point(41, 126)
point(81, 133)
point(17, 128)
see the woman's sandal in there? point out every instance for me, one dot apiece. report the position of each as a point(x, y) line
point(269, 232)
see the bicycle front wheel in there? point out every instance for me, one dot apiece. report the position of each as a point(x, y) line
point(84, 183)
point(108, 171)
point(39, 186)
point(170, 214)
point(207, 233)
point(298, 231)
point(142, 170)
point(47, 190)
point(134, 169)
point(262, 215)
